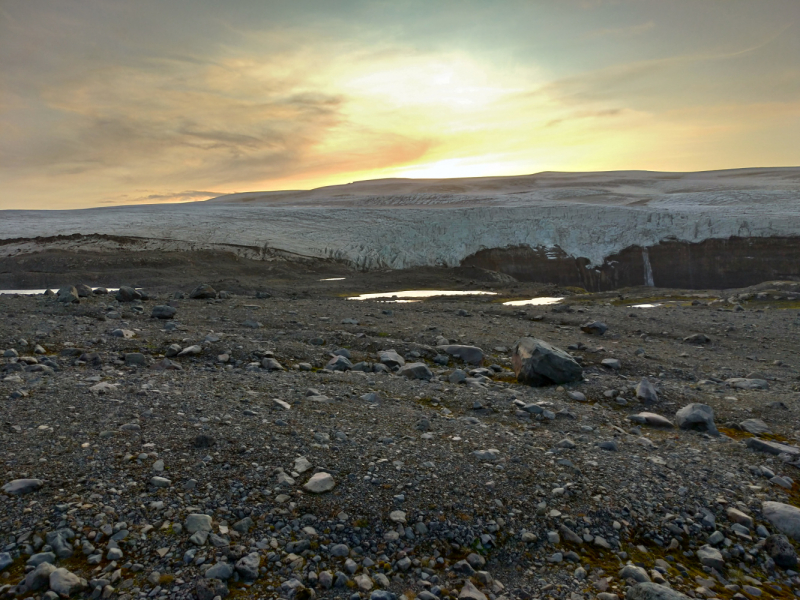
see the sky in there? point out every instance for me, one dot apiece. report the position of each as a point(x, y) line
point(109, 102)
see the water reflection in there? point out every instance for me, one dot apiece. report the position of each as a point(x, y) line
point(541, 301)
point(420, 294)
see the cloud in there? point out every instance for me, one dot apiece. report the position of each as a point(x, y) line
point(621, 32)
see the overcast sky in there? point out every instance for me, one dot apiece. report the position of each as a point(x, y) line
point(107, 102)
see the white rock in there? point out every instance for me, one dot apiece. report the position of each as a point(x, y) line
point(320, 483)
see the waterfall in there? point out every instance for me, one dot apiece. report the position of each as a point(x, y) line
point(648, 270)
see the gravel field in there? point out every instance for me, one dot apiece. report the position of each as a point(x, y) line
point(284, 445)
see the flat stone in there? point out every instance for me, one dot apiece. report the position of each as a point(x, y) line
point(19, 487)
point(651, 419)
point(772, 447)
point(754, 426)
point(742, 383)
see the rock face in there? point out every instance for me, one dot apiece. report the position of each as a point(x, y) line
point(538, 363)
point(695, 416)
point(712, 263)
point(785, 518)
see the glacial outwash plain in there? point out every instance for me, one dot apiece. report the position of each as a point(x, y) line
point(609, 406)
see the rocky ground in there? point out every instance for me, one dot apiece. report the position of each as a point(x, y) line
point(269, 445)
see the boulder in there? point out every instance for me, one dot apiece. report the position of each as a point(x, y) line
point(320, 483)
point(203, 292)
point(415, 370)
point(339, 363)
point(391, 359)
point(221, 570)
point(490, 455)
point(653, 591)
point(775, 448)
point(742, 383)
point(538, 363)
point(594, 328)
point(638, 574)
point(127, 294)
point(780, 549)
point(68, 295)
point(646, 391)
point(247, 566)
point(196, 522)
point(84, 291)
point(711, 557)
point(699, 417)
point(163, 311)
point(38, 578)
point(470, 592)
point(784, 517)
point(469, 354)
point(270, 364)
point(208, 589)
point(65, 584)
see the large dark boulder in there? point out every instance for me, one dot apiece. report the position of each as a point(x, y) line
point(538, 363)
point(203, 292)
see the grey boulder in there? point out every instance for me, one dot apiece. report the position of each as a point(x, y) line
point(698, 417)
point(538, 363)
point(784, 517)
point(415, 370)
point(163, 311)
point(469, 354)
point(646, 391)
point(339, 363)
point(780, 549)
point(247, 566)
point(65, 584)
point(391, 359)
point(68, 295)
point(221, 570)
point(653, 591)
point(594, 328)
